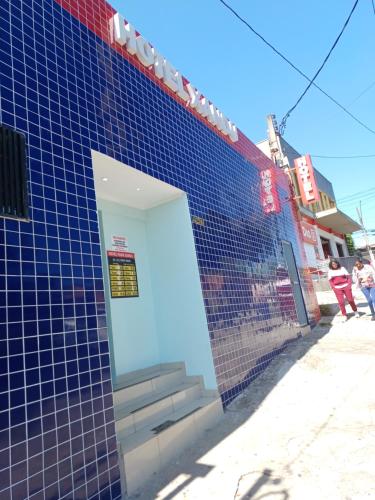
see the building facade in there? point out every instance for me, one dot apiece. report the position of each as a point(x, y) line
point(154, 232)
point(323, 225)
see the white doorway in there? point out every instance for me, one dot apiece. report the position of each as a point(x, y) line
point(166, 321)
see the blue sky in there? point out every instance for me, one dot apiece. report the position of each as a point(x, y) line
point(247, 81)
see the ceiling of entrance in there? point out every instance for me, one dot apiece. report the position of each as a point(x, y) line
point(117, 182)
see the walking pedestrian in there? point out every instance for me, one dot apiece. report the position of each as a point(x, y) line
point(341, 284)
point(364, 278)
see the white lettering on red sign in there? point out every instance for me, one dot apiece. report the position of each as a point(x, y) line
point(309, 233)
point(307, 185)
point(305, 177)
point(125, 35)
point(306, 181)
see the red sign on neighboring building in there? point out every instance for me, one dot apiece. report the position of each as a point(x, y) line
point(309, 233)
point(306, 179)
point(268, 191)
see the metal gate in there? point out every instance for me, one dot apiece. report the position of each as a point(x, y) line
point(295, 281)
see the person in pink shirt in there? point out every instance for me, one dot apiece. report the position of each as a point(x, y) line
point(341, 284)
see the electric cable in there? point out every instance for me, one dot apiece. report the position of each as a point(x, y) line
point(352, 204)
point(362, 93)
point(343, 157)
point(288, 113)
point(367, 196)
point(349, 203)
point(357, 194)
point(296, 68)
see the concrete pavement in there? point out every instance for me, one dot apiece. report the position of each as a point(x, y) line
point(304, 429)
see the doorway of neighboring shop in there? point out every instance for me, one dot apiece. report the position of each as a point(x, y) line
point(154, 303)
point(326, 245)
point(340, 250)
point(295, 281)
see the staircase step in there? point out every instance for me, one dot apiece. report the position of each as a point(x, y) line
point(154, 446)
point(135, 385)
point(132, 416)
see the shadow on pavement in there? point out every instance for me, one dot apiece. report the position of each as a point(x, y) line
point(266, 478)
point(186, 469)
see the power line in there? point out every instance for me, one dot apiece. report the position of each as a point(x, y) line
point(295, 67)
point(287, 115)
point(343, 157)
point(363, 196)
point(358, 193)
point(367, 206)
point(347, 207)
point(367, 199)
point(363, 92)
point(373, 6)
point(349, 203)
point(352, 205)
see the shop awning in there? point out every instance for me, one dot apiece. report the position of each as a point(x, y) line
point(337, 220)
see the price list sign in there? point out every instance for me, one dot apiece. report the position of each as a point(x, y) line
point(122, 274)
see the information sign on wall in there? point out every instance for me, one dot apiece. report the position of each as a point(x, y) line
point(119, 243)
point(122, 274)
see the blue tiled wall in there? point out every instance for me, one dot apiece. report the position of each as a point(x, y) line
point(69, 92)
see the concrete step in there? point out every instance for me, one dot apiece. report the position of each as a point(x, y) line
point(151, 448)
point(142, 383)
point(132, 416)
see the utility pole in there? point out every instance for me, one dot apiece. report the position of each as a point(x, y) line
point(274, 139)
point(365, 233)
point(277, 155)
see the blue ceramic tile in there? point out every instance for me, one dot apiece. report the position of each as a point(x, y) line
point(52, 323)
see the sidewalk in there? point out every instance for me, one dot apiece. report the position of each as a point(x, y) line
point(303, 430)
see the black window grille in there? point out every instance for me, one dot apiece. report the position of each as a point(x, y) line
point(13, 179)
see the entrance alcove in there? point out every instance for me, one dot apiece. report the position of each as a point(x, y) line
point(166, 323)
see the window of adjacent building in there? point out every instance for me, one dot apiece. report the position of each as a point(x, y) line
point(321, 200)
point(325, 203)
point(314, 207)
point(297, 192)
point(13, 180)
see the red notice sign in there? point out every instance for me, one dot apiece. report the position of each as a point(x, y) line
point(121, 255)
point(309, 233)
point(268, 191)
point(306, 179)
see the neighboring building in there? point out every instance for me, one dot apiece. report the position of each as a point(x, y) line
point(323, 225)
point(153, 236)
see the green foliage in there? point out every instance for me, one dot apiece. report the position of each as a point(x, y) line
point(350, 244)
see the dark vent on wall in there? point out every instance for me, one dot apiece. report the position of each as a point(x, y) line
point(13, 181)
